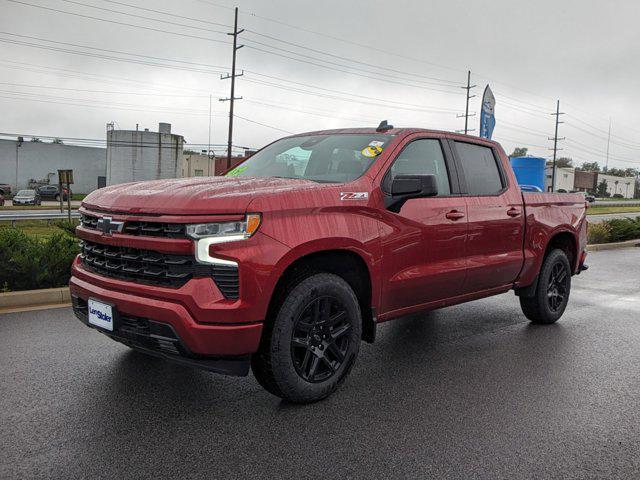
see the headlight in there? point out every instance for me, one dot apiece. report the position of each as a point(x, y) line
point(225, 231)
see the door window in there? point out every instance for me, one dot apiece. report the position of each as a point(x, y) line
point(480, 169)
point(421, 157)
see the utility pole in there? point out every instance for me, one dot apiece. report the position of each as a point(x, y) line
point(233, 76)
point(466, 110)
point(209, 144)
point(608, 142)
point(555, 145)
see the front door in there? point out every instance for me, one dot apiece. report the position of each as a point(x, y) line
point(424, 243)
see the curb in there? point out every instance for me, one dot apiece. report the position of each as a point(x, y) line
point(611, 246)
point(33, 298)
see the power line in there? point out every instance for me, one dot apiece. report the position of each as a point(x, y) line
point(120, 52)
point(105, 57)
point(186, 35)
point(264, 125)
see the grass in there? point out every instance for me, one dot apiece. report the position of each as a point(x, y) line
point(34, 228)
point(598, 210)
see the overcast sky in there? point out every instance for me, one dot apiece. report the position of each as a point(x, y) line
point(313, 65)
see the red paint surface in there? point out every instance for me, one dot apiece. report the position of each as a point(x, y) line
point(422, 257)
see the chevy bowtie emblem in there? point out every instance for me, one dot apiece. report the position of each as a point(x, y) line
point(107, 226)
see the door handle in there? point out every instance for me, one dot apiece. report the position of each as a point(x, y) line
point(513, 212)
point(454, 215)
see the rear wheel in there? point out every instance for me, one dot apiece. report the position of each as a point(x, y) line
point(308, 349)
point(552, 292)
point(57, 197)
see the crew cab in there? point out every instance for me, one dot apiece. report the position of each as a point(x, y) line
point(295, 256)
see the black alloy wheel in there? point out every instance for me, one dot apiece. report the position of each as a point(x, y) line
point(558, 286)
point(319, 341)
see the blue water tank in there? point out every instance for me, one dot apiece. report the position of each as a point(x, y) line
point(529, 170)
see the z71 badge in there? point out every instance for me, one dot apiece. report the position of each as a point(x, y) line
point(354, 195)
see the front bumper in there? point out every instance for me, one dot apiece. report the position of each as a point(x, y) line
point(195, 340)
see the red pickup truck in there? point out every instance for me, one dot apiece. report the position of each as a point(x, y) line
point(294, 257)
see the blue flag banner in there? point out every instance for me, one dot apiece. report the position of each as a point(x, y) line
point(487, 117)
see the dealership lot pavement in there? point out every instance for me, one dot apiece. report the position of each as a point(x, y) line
point(473, 391)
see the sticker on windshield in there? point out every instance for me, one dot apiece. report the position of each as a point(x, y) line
point(236, 171)
point(354, 195)
point(371, 151)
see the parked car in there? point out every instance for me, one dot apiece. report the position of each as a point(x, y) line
point(590, 198)
point(27, 197)
point(5, 189)
point(53, 192)
point(302, 250)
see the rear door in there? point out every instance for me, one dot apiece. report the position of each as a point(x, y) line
point(495, 217)
point(423, 243)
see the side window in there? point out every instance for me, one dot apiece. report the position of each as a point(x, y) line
point(421, 157)
point(480, 169)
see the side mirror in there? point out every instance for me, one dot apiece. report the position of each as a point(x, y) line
point(406, 187)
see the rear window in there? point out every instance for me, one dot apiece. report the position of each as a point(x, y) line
point(480, 169)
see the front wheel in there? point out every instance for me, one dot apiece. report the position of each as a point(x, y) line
point(552, 292)
point(308, 349)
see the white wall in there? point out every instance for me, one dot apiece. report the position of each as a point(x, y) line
point(625, 186)
point(37, 159)
point(565, 178)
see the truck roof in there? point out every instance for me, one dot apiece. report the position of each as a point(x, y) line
point(396, 131)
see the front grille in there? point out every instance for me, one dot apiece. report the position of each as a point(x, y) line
point(143, 266)
point(154, 268)
point(138, 228)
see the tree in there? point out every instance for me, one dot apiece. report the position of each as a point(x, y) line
point(519, 152)
point(58, 141)
point(562, 162)
point(590, 167)
point(602, 189)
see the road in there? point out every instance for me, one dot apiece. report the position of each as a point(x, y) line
point(611, 216)
point(472, 392)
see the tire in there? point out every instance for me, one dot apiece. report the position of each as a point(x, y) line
point(552, 291)
point(57, 197)
point(310, 346)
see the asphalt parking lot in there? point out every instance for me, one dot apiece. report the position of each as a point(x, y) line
point(473, 391)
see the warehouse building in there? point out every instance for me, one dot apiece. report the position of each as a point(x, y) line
point(135, 155)
point(24, 162)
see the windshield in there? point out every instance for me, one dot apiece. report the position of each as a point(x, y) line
point(321, 158)
point(25, 193)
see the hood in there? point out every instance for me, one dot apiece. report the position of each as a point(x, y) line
point(190, 196)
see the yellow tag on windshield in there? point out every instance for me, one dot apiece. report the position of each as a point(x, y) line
point(371, 151)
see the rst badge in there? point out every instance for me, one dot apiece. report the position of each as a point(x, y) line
point(354, 195)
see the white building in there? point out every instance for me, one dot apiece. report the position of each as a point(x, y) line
point(135, 155)
point(565, 179)
point(197, 165)
point(624, 186)
point(25, 161)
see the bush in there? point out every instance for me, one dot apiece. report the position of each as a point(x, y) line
point(599, 233)
point(624, 229)
point(28, 263)
point(618, 195)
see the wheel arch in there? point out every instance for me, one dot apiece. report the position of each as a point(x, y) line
point(346, 263)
